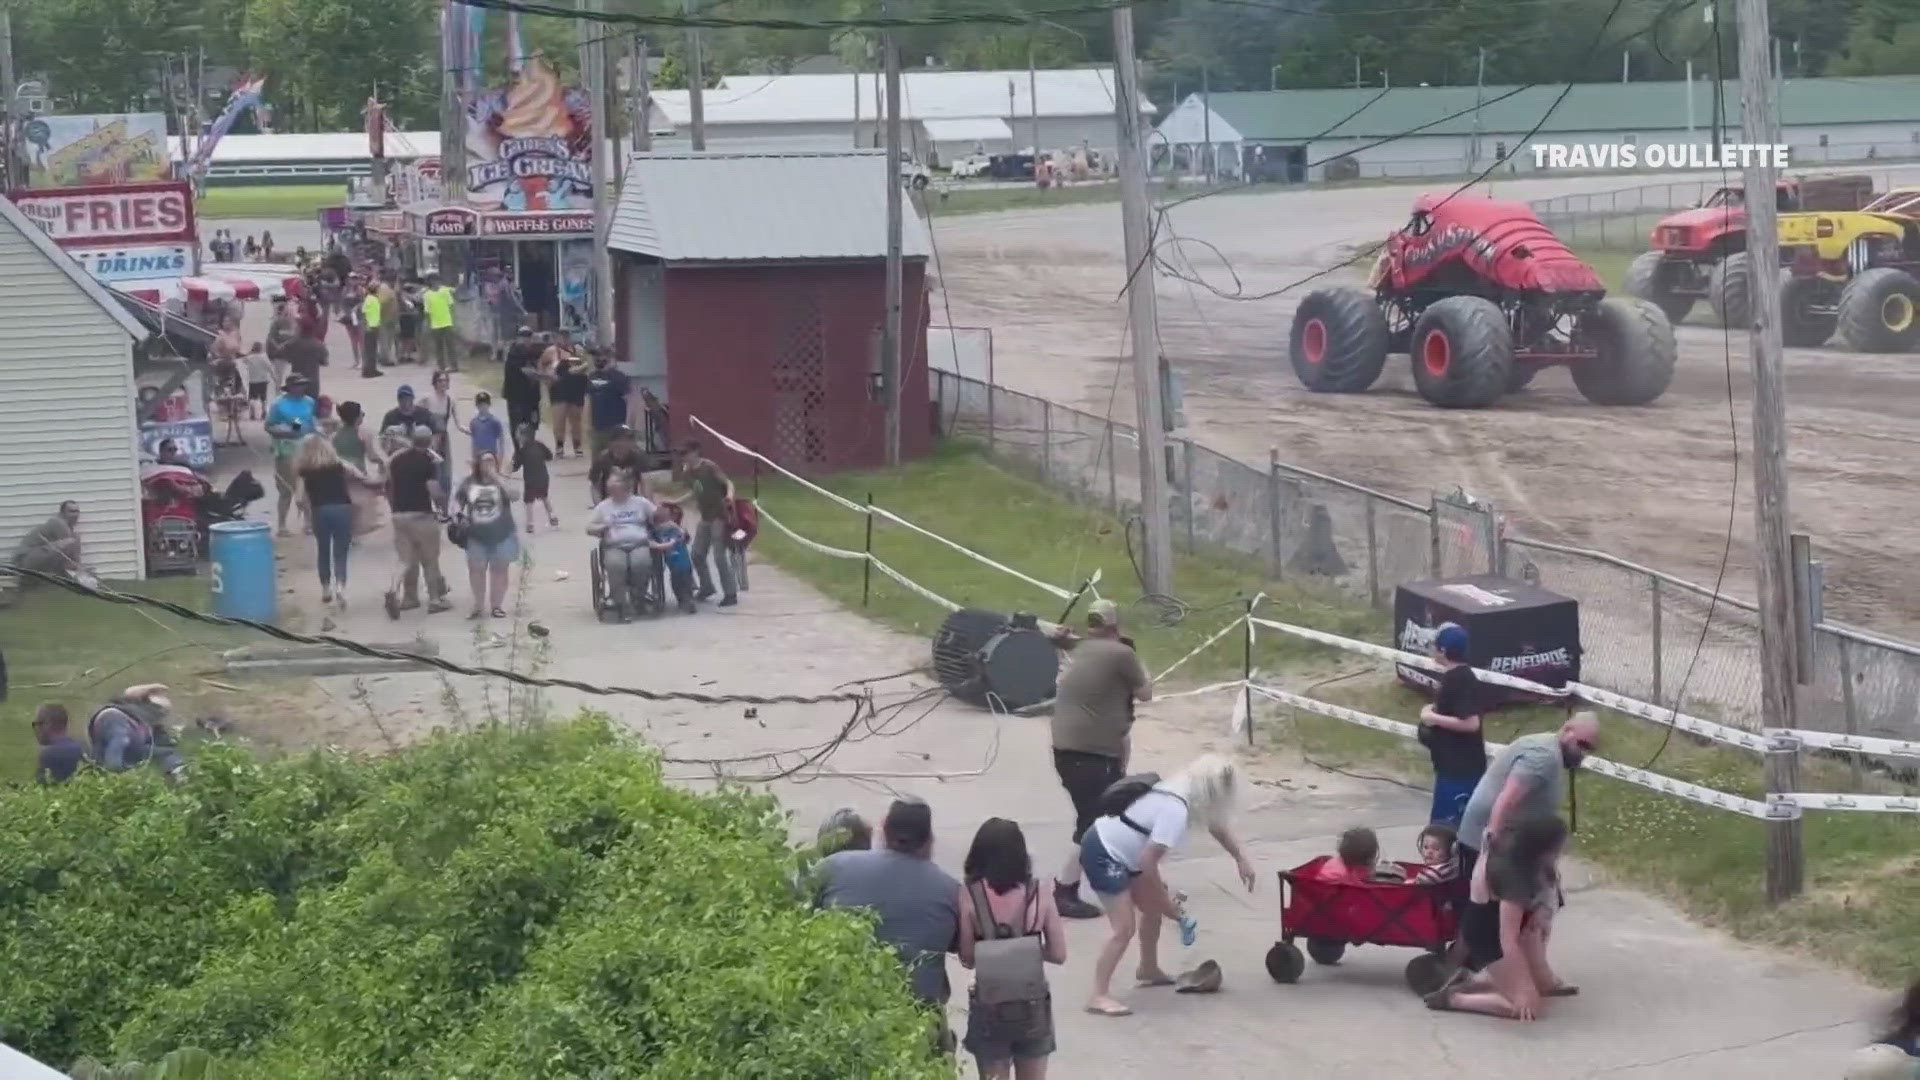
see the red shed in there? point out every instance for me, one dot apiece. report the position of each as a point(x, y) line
point(751, 292)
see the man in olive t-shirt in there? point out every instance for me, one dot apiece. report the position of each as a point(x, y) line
point(1092, 717)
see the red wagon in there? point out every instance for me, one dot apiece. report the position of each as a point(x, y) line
point(1332, 915)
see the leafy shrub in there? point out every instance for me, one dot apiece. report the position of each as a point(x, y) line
point(510, 903)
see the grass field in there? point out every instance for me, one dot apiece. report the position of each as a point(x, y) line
point(270, 200)
point(1862, 908)
point(78, 652)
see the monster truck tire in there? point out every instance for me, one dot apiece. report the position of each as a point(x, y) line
point(1339, 341)
point(1800, 325)
point(1729, 291)
point(1880, 311)
point(1636, 353)
point(1521, 377)
point(1462, 353)
point(1644, 280)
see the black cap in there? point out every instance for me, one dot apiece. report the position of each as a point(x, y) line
point(909, 825)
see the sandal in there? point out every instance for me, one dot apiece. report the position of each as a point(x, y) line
point(1113, 1009)
point(499, 613)
point(1162, 979)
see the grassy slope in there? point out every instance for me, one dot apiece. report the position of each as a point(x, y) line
point(1862, 910)
point(79, 652)
point(270, 200)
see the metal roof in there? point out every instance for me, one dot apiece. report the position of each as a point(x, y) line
point(723, 206)
point(924, 95)
point(1302, 115)
point(973, 129)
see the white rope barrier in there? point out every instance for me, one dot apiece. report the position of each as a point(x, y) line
point(1210, 689)
point(1205, 645)
point(1693, 725)
point(861, 556)
point(1858, 744)
point(858, 508)
point(1665, 785)
point(1884, 804)
point(1425, 663)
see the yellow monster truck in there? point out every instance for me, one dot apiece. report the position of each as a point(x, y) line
point(1854, 272)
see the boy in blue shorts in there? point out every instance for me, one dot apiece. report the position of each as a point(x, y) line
point(1450, 729)
point(671, 553)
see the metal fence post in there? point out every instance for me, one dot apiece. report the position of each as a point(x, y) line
point(1433, 537)
point(1046, 440)
point(1373, 557)
point(1113, 474)
point(993, 434)
point(866, 565)
point(1273, 509)
point(1659, 659)
point(1490, 529)
point(1849, 719)
point(1186, 488)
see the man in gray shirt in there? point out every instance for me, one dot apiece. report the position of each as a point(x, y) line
point(917, 902)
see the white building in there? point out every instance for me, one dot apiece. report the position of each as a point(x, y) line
point(66, 376)
point(948, 113)
point(1295, 135)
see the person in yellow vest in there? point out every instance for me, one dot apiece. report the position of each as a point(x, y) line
point(374, 337)
point(442, 341)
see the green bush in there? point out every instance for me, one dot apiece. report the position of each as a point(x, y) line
point(511, 903)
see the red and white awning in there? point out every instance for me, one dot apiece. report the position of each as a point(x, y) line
point(206, 287)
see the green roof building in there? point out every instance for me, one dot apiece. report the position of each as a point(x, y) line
point(1453, 130)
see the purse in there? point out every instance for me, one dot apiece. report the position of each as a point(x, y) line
point(457, 529)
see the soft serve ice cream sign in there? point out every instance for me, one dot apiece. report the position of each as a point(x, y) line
point(530, 146)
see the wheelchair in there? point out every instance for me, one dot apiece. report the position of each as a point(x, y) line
point(640, 602)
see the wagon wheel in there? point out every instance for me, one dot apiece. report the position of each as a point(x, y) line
point(1285, 963)
point(1326, 951)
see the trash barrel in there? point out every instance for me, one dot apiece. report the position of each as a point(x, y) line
point(243, 582)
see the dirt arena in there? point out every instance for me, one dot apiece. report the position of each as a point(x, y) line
point(1649, 484)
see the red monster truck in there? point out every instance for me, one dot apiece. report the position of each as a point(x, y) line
point(1482, 296)
point(1702, 253)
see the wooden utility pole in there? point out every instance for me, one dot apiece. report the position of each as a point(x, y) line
point(890, 365)
point(593, 63)
point(1033, 103)
point(696, 83)
point(453, 106)
point(1206, 116)
point(1779, 614)
point(10, 108)
point(1156, 563)
point(642, 107)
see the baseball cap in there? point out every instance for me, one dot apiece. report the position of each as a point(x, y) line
point(1450, 641)
point(1105, 612)
point(403, 392)
point(525, 331)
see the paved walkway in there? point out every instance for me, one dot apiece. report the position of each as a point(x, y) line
point(1661, 997)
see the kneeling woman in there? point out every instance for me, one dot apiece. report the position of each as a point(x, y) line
point(1121, 856)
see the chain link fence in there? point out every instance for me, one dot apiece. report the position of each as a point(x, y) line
point(1645, 634)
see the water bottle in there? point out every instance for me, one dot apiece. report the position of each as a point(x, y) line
point(1189, 926)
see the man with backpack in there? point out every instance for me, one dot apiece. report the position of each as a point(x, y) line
point(130, 730)
point(1092, 718)
point(918, 903)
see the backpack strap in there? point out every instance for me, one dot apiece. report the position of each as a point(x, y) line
point(1136, 826)
point(983, 925)
point(1033, 907)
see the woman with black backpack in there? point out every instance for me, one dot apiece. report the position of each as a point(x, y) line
point(1142, 819)
point(1009, 931)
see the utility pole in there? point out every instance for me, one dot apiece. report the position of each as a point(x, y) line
point(1626, 65)
point(1356, 71)
point(10, 116)
point(453, 105)
point(1156, 564)
point(856, 105)
point(1033, 101)
point(1779, 613)
point(642, 98)
point(1206, 117)
point(696, 83)
point(1479, 100)
point(1689, 98)
point(593, 63)
point(890, 365)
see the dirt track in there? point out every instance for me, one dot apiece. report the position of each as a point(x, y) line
point(1649, 484)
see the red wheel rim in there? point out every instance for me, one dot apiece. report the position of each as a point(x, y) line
point(1436, 353)
point(1313, 341)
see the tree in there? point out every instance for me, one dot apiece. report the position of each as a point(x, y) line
point(329, 56)
point(103, 55)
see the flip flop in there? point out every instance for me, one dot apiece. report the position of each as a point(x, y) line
point(1161, 980)
point(1103, 1010)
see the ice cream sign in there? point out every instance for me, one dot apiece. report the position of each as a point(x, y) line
point(530, 145)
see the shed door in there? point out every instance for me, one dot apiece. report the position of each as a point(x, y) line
point(800, 386)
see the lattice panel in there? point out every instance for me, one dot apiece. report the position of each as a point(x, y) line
point(800, 387)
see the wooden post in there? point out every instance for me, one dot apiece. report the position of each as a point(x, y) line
point(1779, 639)
point(1849, 719)
point(891, 347)
point(1273, 509)
point(1246, 670)
point(866, 565)
point(1186, 489)
point(1433, 538)
point(696, 84)
point(1113, 474)
point(1046, 440)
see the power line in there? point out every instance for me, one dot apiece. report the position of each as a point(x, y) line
point(137, 601)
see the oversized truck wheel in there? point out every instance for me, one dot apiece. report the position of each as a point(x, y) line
point(1462, 353)
point(1880, 311)
point(1636, 353)
point(1339, 341)
point(1645, 281)
point(1729, 291)
point(1801, 325)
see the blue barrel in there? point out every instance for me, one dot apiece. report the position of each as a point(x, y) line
point(243, 581)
